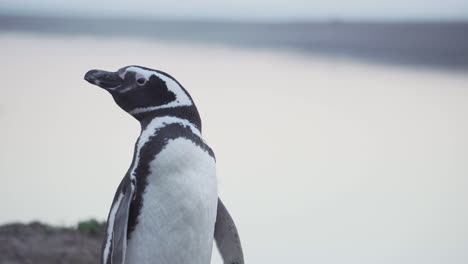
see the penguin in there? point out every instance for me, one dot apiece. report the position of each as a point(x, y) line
point(166, 209)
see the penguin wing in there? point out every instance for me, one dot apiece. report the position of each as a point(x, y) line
point(115, 245)
point(226, 237)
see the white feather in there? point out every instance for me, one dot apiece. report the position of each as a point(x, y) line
point(177, 218)
point(150, 130)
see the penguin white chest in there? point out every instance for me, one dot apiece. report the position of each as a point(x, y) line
point(178, 214)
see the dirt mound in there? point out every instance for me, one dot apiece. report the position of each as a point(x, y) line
point(38, 243)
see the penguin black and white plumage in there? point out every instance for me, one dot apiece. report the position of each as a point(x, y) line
point(166, 208)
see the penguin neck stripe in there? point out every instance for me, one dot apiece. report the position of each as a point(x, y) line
point(151, 129)
point(153, 108)
point(182, 98)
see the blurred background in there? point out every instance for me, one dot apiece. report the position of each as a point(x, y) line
point(340, 127)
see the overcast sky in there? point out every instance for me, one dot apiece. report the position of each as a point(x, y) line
point(251, 10)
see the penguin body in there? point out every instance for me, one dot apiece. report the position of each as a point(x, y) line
point(165, 209)
point(179, 205)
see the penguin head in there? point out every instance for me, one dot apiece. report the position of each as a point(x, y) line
point(141, 91)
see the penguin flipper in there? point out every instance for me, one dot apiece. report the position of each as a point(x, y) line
point(117, 224)
point(226, 237)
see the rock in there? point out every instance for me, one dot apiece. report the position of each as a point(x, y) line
point(37, 243)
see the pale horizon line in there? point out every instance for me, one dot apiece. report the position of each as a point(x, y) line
point(21, 12)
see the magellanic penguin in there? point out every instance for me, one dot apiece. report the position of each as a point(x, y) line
point(166, 209)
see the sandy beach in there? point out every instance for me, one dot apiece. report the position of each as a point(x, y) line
point(319, 160)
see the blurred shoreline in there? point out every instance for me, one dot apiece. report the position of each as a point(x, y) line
point(439, 45)
point(41, 243)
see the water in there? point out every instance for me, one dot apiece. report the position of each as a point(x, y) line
point(441, 45)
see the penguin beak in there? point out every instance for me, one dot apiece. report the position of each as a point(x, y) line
point(104, 79)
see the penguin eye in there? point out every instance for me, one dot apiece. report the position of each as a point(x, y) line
point(141, 81)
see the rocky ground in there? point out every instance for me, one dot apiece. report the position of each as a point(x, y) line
point(37, 243)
